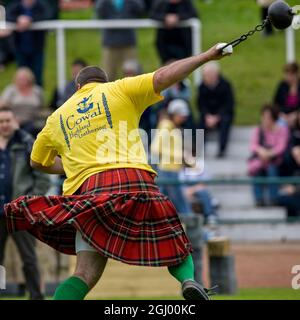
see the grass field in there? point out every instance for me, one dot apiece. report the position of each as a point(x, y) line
point(244, 294)
point(254, 69)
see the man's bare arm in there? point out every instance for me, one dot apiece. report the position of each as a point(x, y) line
point(179, 70)
point(56, 168)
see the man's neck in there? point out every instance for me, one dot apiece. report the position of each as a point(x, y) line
point(4, 141)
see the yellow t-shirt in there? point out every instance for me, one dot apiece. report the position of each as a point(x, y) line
point(97, 130)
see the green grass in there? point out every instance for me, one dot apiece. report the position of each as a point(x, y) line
point(254, 70)
point(243, 294)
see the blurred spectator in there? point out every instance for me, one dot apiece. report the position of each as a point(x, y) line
point(59, 99)
point(18, 178)
point(167, 146)
point(264, 4)
point(288, 118)
point(119, 45)
point(148, 4)
point(290, 162)
point(173, 42)
point(54, 9)
point(216, 104)
point(287, 96)
point(7, 52)
point(29, 45)
point(198, 194)
point(181, 90)
point(25, 98)
point(268, 144)
point(289, 197)
point(132, 68)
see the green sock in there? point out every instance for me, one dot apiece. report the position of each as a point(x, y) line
point(71, 289)
point(183, 271)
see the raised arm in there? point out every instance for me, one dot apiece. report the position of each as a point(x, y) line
point(181, 69)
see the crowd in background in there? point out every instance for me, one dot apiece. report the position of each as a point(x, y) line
point(274, 146)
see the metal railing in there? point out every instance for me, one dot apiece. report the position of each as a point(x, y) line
point(60, 26)
point(232, 181)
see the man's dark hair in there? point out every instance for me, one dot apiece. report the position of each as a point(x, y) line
point(292, 68)
point(6, 108)
point(91, 74)
point(274, 111)
point(79, 62)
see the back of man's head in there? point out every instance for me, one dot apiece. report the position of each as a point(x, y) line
point(91, 74)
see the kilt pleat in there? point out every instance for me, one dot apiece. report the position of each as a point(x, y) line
point(119, 212)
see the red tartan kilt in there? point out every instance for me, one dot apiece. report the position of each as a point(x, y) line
point(120, 212)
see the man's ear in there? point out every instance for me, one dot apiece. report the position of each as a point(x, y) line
point(78, 86)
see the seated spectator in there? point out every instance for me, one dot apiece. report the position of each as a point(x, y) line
point(268, 144)
point(216, 104)
point(291, 163)
point(25, 99)
point(167, 146)
point(287, 96)
point(131, 68)
point(198, 194)
point(29, 45)
point(173, 42)
point(181, 90)
point(289, 197)
point(119, 45)
point(296, 142)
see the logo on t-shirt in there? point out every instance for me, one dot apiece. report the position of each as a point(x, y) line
point(85, 105)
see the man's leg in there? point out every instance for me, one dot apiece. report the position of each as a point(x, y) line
point(37, 66)
point(291, 203)
point(258, 191)
point(128, 53)
point(110, 62)
point(3, 238)
point(184, 273)
point(224, 131)
point(272, 172)
point(89, 268)
point(26, 246)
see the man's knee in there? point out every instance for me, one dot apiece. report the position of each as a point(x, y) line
point(89, 268)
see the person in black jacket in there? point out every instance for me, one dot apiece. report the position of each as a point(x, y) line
point(29, 44)
point(171, 42)
point(119, 45)
point(7, 52)
point(17, 178)
point(287, 96)
point(216, 104)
